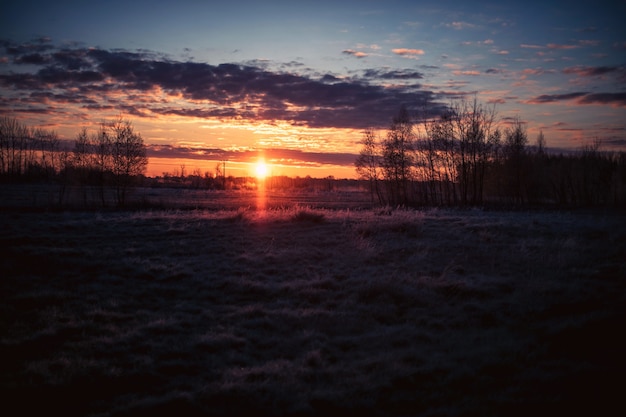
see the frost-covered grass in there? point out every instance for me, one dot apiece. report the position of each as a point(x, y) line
point(305, 311)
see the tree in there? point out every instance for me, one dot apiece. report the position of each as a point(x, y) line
point(398, 158)
point(27, 153)
point(476, 138)
point(516, 140)
point(128, 157)
point(541, 147)
point(114, 156)
point(48, 145)
point(439, 149)
point(14, 138)
point(368, 163)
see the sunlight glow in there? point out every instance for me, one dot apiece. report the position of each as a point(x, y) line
point(261, 169)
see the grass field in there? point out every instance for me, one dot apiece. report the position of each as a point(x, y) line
point(308, 311)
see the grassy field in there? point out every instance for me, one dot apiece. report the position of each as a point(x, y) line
point(307, 311)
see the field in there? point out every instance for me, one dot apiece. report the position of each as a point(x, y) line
point(302, 310)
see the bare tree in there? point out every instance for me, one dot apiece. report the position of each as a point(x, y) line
point(27, 153)
point(439, 147)
point(48, 145)
point(398, 158)
point(541, 146)
point(14, 140)
point(516, 140)
point(103, 161)
point(476, 136)
point(368, 163)
point(128, 157)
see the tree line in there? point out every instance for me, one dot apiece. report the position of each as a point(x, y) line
point(464, 157)
point(107, 162)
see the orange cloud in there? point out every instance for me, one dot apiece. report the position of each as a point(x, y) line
point(560, 46)
point(352, 52)
point(466, 73)
point(405, 51)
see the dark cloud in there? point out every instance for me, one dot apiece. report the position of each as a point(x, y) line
point(585, 71)
point(454, 95)
point(233, 90)
point(36, 46)
point(393, 74)
point(618, 99)
point(169, 151)
point(285, 156)
point(72, 60)
point(35, 59)
point(221, 113)
point(329, 78)
point(551, 98)
point(617, 142)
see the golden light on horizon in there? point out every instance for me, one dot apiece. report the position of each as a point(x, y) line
point(261, 169)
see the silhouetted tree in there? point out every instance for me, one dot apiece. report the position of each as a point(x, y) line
point(128, 157)
point(439, 145)
point(516, 165)
point(398, 158)
point(477, 139)
point(368, 163)
point(538, 186)
point(14, 140)
point(27, 154)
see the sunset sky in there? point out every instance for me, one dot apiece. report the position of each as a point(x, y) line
point(299, 81)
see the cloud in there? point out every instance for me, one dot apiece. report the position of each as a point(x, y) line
point(616, 99)
point(581, 43)
point(585, 71)
point(561, 46)
point(551, 98)
point(354, 53)
point(466, 72)
point(373, 47)
point(617, 142)
point(392, 74)
point(284, 156)
point(460, 25)
point(149, 85)
point(589, 42)
point(536, 71)
point(407, 52)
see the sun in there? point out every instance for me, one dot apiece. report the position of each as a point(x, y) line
point(261, 169)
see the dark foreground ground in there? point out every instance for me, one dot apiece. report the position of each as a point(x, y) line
point(312, 312)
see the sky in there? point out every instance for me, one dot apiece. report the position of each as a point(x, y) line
point(298, 82)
